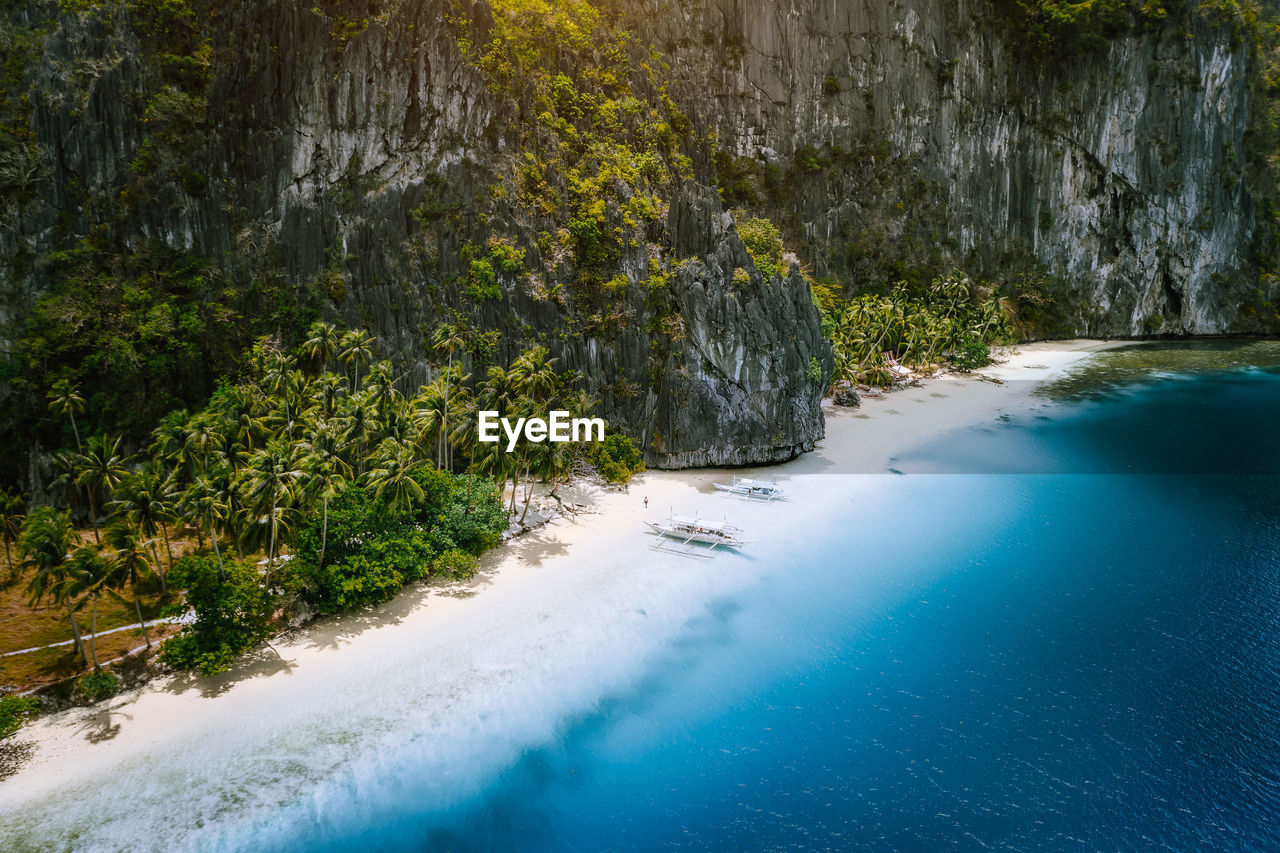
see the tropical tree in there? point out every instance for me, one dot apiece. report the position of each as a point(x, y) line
point(146, 500)
point(272, 474)
point(321, 344)
point(391, 479)
point(46, 537)
point(205, 502)
point(355, 349)
point(65, 399)
point(169, 440)
point(101, 467)
point(12, 514)
point(325, 473)
point(65, 468)
point(131, 561)
point(92, 575)
point(447, 339)
point(204, 442)
point(430, 416)
point(533, 373)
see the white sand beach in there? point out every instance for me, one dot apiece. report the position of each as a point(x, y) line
point(446, 675)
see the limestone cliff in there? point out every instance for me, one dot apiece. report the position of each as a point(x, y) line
point(321, 133)
point(1122, 172)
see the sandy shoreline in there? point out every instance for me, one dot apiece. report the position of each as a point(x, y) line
point(429, 641)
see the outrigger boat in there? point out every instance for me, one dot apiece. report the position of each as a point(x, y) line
point(751, 489)
point(687, 530)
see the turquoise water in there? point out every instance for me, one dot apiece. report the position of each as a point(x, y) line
point(1061, 631)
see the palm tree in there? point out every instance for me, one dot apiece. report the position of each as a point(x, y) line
point(360, 429)
point(534, 374)
point(328, 391)
point(325, 472)
point(169, 439)
point(204, 440)
point(65, 399)
point(391, 479)
point(131, 562)
point(66, 467)
point(44, 542)
point(205, 503)
point(146, 501)
point(356, 348)
point(101, 467)
point(272, 474)
point(447, 339)
point(430, 415)
point(321, 344)
point(12, 509)
point(92, 576)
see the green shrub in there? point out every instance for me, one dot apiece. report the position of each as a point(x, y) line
point(971, 355)
point(370, 553)
point(813, 373)
point(506, 257)
point(454, 563)
point(94, 686)
point(15, 711)
point(808, 159)
point(481, 281)
point(588, 242)
point(357, 581)
point(617, 459)
point(763, 242)
point(831, 86)
point(232, 615)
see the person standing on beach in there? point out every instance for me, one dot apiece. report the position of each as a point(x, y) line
point(646, 501)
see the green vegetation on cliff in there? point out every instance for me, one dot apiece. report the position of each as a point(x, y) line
point(600, 142)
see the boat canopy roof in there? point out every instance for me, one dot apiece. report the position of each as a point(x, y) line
point(704, 523)
point(753, 484)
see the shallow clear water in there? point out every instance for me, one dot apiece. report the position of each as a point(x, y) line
point(1071, 641)
point(1059, 630)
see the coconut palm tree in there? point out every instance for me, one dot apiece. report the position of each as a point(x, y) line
point(325, 473)
point(385, 400)
point(204, 441)
point(430, 415)
point(101, 467)
point(12, 513)
point(327, 394)
point(355, 349)
point(45, 539)
point(448, 339)
point(169, 439)
point(533, 373)
point(132, 563)
point(145, 500)
point(205, 503)
point(360, 430)
point(92, 575)
point(65, 399)
point(272, 473)
point(391, 479)
point(321, 344)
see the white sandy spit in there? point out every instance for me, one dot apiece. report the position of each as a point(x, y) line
point(459, 680)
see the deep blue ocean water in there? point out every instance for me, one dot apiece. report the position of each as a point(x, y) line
point(1060, 631)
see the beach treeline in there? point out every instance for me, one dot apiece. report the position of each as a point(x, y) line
point(315, 485)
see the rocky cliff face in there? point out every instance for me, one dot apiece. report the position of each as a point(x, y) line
point(904, 127)
point(315, 152)
point(1122, 173)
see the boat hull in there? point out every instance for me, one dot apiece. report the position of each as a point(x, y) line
point(753, 494)
point(694, 536)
